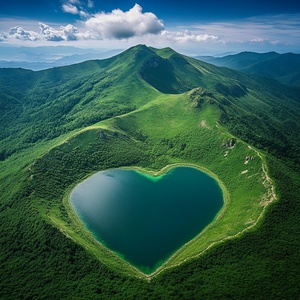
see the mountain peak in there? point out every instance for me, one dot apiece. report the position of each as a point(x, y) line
point(164, 52)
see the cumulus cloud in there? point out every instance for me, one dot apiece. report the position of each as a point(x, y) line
point(187, 36)
point(69, 32)
point(117, 24)
point(21, 34)
point(65, 33)
point(49, 33)
point(123, 25)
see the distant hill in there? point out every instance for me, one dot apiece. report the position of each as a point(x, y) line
point(283, 67)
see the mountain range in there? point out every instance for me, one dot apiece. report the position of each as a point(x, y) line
point(149, 108)
point(283, 67)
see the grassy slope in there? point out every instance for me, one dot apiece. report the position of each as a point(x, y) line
point(42, 262)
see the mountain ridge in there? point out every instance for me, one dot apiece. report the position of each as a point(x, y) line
point(285, 68)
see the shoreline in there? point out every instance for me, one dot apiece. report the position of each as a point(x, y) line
point(155, 174)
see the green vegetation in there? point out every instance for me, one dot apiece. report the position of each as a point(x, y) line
point(61, 125)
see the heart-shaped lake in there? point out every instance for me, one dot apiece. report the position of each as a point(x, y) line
point(145, 219)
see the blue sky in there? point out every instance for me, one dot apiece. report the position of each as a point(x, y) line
point(191, 27)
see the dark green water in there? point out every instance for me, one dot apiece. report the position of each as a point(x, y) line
point(146, 219)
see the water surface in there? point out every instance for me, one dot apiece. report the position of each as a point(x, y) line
point(146, 219)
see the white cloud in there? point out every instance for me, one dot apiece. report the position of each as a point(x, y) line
point(21, 34)
point(77, 7)
point(123, 25)
point(188, 36)
point(83, 14)
point(69, 32)
point(50, 34)
point(70, 8)
point(47, 33)
point(66, 33)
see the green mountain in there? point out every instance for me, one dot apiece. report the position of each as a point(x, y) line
point(148, 108)
point(283, 67)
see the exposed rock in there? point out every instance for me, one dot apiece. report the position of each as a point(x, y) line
point(229, 143)
point(199, 95)
point(200, 92)
point(248, 158)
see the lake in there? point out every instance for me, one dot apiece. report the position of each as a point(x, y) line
point(145, 219)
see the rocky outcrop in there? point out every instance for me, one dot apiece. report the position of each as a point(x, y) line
point(248, 158)
point(229, 143)
point(199, 95)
